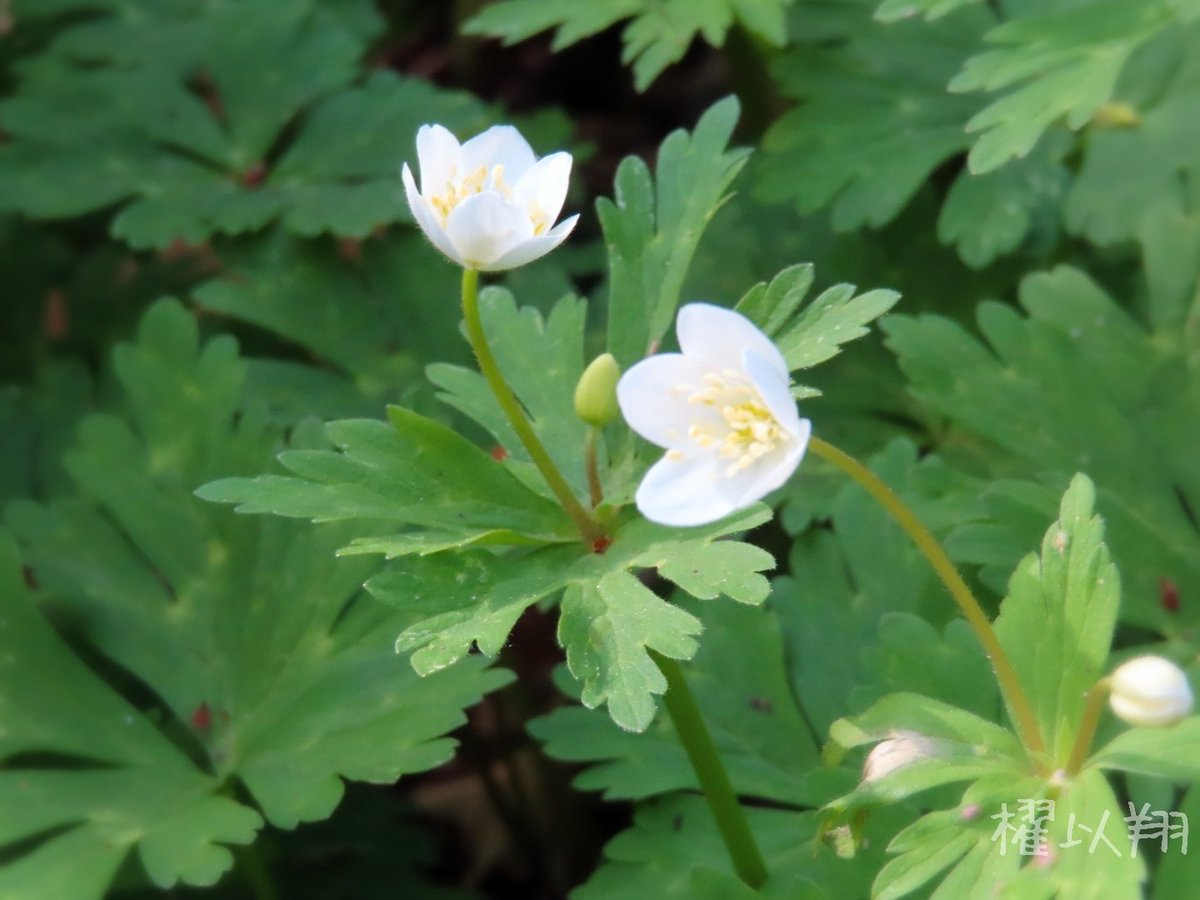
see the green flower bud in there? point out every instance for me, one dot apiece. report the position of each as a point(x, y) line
point(596, 393)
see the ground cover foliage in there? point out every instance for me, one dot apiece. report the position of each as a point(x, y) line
point(286, 609)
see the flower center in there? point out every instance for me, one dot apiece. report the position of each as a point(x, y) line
point(458, 190)
point(748, 430)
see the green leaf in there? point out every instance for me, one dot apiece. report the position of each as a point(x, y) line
point(1036, 396)
point(850, 602)
point(673, 849)
point(350, 309)
point(257, 647)
point(814, 334)
point(36, 425)
point(123, 124)
point(985, 854)
point(1177, 871)
point(942, 842)
point(1170, 240)
point(412, 472)
point(134, 790)
point(652, 227)
point(658, 35)
point(468, 599)
point(1166, 752)
point(911, 655)
point(1057, 621)
point(928, 717)
point(1078, 871)
point(608, 630)
point(1061, 64)
point(771, 306)
point(873, 119)
point(116, 113)
point(1133, 165)
point(341, 174)
point(740, 680)
point(894, 10)
point(609, 617)
point(986, 216)
point(542, 360)
point(837, 316)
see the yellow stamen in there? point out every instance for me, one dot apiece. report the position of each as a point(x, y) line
point(750, 430)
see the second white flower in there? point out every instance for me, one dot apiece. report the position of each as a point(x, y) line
point(722, 410)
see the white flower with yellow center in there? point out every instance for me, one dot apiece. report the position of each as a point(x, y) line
point(488, 204)
point(722, 410)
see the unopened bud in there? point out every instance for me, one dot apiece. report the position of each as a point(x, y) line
point(1150, 691)
point(902, 748)
point(596, 393)
point(1116, 115)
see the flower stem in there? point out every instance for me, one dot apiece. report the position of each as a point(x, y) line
point(255, 872)
point(1093, 706)
point(1010, 685)
point(583, 520)
point(714, 781)
point(595, 488)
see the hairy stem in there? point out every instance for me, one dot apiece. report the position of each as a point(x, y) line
point(1093, 706)
point(583, 520)
point(710, 772)
point(1010, 685)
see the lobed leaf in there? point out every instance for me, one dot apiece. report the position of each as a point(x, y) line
point(873, 118)
point(258, 649)
point(747, 702)
point(653, 226)
point(659, 33)
point(1059, 64)
point(1075, 366)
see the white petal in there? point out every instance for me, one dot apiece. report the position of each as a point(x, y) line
point(426, 218)
point(486, 226)
point(534, 247)
point(718, 336)
point(769, 473)
point(683, 492)
point(439, 158)
point(500, 145)
point(544, 186)
point(773, 390)
point(653, 396)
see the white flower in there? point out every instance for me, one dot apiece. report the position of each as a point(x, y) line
point(1151, 691)
point(488, 204)
point(722, 410)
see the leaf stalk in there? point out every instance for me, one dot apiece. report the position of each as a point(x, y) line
point(710, 772)
point(1010, 684)
point(588, 527)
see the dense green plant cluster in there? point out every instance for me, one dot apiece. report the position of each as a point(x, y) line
point(269, 534)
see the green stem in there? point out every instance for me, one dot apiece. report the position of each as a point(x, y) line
point(516, 416)
point(1010, 685)
point(1093, 706)
point(255, 873)
point(714, 781)
point(595, 488)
